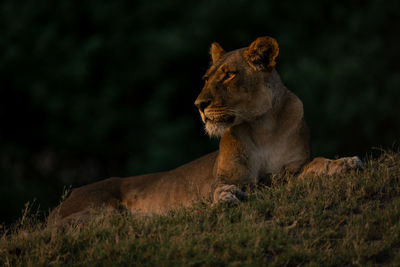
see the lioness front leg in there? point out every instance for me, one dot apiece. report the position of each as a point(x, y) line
point(232, 171)
point(324, 166)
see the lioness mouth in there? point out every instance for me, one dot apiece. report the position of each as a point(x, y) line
point(226, 119)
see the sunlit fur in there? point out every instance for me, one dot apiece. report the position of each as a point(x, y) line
point(215, 129)
point(217, 120)
point(235, 87)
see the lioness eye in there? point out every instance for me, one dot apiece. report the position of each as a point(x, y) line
point(229, 75)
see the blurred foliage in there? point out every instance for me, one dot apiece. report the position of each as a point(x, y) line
point(92, 89)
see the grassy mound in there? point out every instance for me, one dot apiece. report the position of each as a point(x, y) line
point(345, 220)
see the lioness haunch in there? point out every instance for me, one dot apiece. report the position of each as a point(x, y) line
point(262, 129)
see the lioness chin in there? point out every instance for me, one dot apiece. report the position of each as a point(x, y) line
point(262, 129)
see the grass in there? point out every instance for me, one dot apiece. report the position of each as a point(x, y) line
point(352, 219)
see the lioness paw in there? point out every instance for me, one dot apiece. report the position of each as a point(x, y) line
point(355, 163)
point(228, 194)
point(227, 197)
point(343, 165)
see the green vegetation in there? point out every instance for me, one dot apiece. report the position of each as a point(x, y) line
point(352, 219)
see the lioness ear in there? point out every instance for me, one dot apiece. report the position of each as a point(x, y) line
point(262, 53)
point(216, 52)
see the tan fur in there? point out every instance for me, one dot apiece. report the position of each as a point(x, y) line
point(262, 129)
point(323, 166)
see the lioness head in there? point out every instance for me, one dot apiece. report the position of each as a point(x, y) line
point(236, 86)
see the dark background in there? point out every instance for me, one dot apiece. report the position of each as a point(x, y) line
point(92, 89)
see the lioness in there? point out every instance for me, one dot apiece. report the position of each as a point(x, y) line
point(262, 129)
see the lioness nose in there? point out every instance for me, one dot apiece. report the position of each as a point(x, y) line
point(202, 104)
